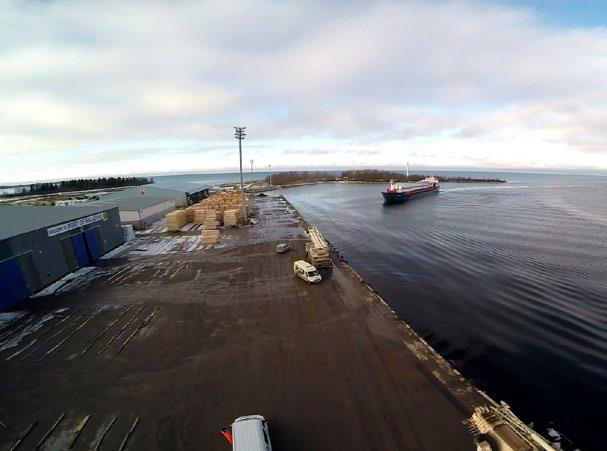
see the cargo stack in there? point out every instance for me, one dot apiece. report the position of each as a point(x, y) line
point(213, 208)
point(175, 220)
point(231, 218)
point(190, 212)
point(210, 236)
point(210, 223)
point(200, 214)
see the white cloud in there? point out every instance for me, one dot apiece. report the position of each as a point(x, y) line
point(448, 83)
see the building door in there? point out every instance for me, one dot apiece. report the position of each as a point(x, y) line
point(13, 287)
point(69, 254)
point(93, 241)
point(29, 271)
point(80, 251)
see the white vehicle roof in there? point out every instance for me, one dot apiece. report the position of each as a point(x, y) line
point(247, 432)
point(305, 265)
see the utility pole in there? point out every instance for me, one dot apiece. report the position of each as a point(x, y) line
point(239, 134)
point(251, 165)
point(270, 166)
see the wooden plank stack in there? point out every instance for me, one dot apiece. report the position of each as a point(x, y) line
point(215, 206)
point(232, 218)
point(211, 224)
point(210, 236)
point(175, 220)
point(200, 214)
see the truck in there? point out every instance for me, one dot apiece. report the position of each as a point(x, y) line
point(306, 271)
point(317, 249)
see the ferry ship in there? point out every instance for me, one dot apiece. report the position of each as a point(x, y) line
point(398, 193)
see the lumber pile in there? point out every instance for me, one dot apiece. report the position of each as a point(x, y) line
point(212, 211)
point(210, 236)
point(211, 224)
point(200, 214)
point(190, 213)
point(175, 220)
point(232, 218)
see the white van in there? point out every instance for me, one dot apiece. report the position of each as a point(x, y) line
point(250, 433)
point(306, 271)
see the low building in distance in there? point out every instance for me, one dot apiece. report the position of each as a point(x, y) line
point(140, 212)
point(182, 197)
point(41, 244)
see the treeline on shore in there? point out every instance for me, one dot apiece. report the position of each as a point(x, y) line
point(293, 177)
point(80, 185)
point(365, 175)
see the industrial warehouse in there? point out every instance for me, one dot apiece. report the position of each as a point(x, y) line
point(140, 212)
point(39, 245)
point(181, 196)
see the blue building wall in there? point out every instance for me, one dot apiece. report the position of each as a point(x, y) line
point(33, 260)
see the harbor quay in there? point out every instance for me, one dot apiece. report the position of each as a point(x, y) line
point(165, 341)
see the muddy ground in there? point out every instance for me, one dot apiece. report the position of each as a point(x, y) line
point(173, 340)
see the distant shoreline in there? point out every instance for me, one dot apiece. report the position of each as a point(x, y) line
point(299, 178)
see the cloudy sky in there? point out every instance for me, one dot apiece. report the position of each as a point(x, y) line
point(119, 87)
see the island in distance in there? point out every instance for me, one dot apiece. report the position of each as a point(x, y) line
point(365, 176)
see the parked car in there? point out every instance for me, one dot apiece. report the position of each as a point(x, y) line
point(282, 248)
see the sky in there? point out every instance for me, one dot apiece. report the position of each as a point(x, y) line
point(109, 87)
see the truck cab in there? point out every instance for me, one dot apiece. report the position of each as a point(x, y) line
point(306, 271)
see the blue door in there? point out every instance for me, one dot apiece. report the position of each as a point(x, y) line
point(13, 287)
point(93, 244)
point(80, 251)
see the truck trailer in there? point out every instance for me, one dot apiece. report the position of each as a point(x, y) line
point(317, 249)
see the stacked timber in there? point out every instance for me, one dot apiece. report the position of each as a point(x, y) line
point(214, 208)
point(210, 236)
point(231, 218)
point(175, 220)
point(200, 214)
point(190, 213)
point(211, 224)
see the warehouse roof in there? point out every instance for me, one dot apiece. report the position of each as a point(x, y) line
point(134, 203)
point(168, 189)
point(17, 219)
point(182, 187)
point(148, 191)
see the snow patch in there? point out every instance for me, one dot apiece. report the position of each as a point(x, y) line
point(8, 317)
point(64, 282)
point(13, 342)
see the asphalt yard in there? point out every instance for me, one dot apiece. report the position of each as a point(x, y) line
point(166, 341)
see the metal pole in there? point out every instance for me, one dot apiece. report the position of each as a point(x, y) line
point(239, 135)
point(251, 165)
point(270, 166)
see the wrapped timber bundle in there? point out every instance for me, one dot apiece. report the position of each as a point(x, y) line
point(175, 220)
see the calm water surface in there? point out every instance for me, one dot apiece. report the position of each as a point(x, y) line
point(508, 282)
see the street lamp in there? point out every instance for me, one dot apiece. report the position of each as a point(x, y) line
point(270, 166)
point(239, 134)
